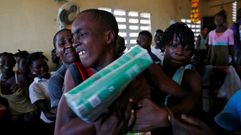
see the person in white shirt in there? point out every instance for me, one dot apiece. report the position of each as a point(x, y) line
point(38, 89)
point(158, 49)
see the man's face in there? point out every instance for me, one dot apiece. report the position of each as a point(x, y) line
point(64, 48)
point(89, 40)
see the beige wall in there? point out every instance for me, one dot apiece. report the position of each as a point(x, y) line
point(27, 25)
point(31, 24)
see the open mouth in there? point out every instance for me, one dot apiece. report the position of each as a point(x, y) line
point(82, 53)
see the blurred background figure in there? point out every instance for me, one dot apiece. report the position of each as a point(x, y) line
point(220, 42)
point(158, 48)
point(200, 53)
point(237, 37)
point(144, 39)
point(120, 45)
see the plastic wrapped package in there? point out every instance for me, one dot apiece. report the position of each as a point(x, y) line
point(89, 99)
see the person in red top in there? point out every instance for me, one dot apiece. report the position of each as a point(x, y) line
point(94, 38)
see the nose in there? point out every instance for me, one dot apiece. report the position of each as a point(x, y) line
point(68, 44)
point(179, 50)
point(76, 41)
point(44, 69)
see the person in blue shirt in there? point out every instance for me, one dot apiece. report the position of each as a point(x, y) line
point(62, 42)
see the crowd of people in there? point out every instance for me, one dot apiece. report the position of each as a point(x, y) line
point(176, 95)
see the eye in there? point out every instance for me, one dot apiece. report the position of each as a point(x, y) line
point(82, 34)
point(173, 44)
point(61, 43)
point(188, 47)
point(79, 34)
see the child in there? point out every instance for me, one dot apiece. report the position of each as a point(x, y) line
point(38, 89)
point(183, 95)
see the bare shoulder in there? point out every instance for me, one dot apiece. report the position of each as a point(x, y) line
point(68, 81)
point(192, 80)
point(192, 75)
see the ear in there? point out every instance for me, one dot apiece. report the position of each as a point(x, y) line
point(110, 37)
point(57, 54)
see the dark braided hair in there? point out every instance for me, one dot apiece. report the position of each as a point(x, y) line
point(183, 32)
point(147, 34)
point(35, 56)
point(11, 56)
point(22, 54)
point(159, 31)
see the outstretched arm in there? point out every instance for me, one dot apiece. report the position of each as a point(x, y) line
point(192, 84)
point(163, 82)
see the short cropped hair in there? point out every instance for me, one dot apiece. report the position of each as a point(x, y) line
point(107, 20)
point(223, 14)
point(147, 34)
point(35, 56)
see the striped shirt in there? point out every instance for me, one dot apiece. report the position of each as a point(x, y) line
point(221, 39)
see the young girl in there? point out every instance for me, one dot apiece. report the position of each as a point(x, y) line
point(182, 94)
point(14, 91)
point(38, 89)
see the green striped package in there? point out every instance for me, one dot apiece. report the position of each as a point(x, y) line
point(89, 99)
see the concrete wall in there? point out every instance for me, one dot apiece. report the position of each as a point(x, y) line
point(31, 24)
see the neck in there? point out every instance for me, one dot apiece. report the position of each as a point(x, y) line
point(221, 28)
point(109, 57)
point(169, 68)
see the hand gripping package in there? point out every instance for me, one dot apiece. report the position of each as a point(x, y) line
point(90, 99)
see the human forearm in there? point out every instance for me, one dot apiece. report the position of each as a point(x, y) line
point(164, 82)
